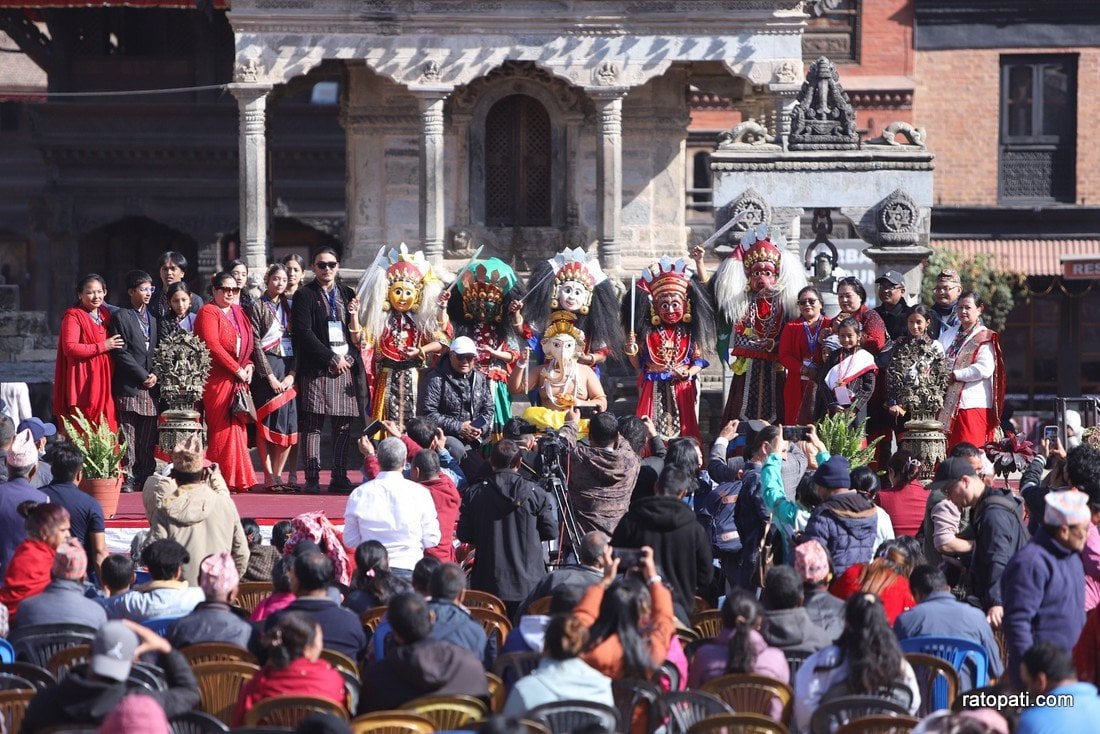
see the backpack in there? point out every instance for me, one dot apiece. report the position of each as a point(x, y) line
point(720, 504)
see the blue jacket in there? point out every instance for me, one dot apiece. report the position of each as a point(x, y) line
point(1044, 597)
point(846, 524)
point(455, 625)
point(1081, 716)
point(940, 614)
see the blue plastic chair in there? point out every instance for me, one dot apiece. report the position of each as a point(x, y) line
point(159, 625)
point(954, 650)
point(7, 652)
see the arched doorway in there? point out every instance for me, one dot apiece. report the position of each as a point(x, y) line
point(134, 243)
point(518, 163)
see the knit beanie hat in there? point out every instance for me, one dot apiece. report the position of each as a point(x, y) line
point(834, 474)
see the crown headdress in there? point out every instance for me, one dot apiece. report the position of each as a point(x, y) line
point(561, 322)
point(409, 267)
point(575, 265)
point(667, 275)
point(490, 279)
point(757, 245)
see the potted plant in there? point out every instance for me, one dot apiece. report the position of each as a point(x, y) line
point(843, 438)
point(103, 452)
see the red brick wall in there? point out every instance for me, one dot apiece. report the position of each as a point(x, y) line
point(957, 101)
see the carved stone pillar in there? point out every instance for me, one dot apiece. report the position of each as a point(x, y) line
point(609, 177)
point(252, 105)
point(432, 223)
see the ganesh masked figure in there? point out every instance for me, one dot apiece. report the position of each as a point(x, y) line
point(673, 324)
point(488, 312)
point(756, 291)
point(562, 382)
point(404, 320)
point(572, 283)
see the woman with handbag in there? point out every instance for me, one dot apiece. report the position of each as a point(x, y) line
point(227, 332)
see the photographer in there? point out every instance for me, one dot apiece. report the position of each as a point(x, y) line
point(665, 523)
point(601, 472)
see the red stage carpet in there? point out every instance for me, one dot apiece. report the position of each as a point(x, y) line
point(266, 508)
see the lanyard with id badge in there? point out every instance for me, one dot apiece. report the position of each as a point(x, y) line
point(335, 328)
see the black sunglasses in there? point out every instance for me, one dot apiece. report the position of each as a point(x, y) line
point(326, 264)
point(229, 289)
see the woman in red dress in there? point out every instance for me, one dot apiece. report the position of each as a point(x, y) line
point(227, 332)
point(800, 354)
point(82, 375)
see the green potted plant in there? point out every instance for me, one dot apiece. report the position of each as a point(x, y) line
point(103, 452)
point(844, 438)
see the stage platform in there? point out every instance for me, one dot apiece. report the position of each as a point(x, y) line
point(265, 507)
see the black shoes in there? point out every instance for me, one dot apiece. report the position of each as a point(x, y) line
point(340, 485)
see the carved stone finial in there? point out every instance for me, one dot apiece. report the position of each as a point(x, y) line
point(916, 136)
point(430, 71)
point(757, 212)
point(822, 118)
point(248, 70)
point(898, 220)
point(607, 74)
point(749, 132)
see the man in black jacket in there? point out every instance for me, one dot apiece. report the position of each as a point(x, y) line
point(996, 527)
point(324, 330)
point(310, 577)
point(507, 517)
point(456, 394)
point(134, 383)
point(86, 695)
point(680, 545)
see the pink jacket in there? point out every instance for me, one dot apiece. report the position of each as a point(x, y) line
point(1090, 557)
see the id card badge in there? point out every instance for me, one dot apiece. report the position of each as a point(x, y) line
point(287, 345)
point(336, 338)
point(843, 395)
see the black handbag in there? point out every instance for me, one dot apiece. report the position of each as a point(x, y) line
point(243, 408)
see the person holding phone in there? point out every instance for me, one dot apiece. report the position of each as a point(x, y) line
point(456, 394)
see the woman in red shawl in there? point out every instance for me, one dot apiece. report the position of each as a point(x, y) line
point(800, 352)
point(29, 569)
point(227, 332)
point(82, 375)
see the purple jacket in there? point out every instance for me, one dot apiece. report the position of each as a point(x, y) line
point(1044, 597)
point(710, 662)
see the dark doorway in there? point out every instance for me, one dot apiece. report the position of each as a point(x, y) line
point(518, 167)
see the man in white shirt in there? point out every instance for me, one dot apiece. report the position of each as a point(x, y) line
point(398, 513)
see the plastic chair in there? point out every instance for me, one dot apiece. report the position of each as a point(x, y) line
point(879, 724)
point(340, 661)
point(497, 693)
point(737, 724)
point(159, 625)
point(13, 682)
point(795, 660)
point(220, 684)
point(496, 626)
point(196, 722)
point(7, 652)
point(63, 661)
point(830, 716)
point(390, 722)
point(540, 605)
point(448, 712)
point(472, 599)
point(251, 593)
point(668, 677)
point(707, 623)
point(352, 688)
point(289, 710)
point(372, 617)
point(511, 666)
point(37, 643)
point(36, 674)
point(13, 706)
point(937, 680)
point(563, 717)
point(262, 730)
point(687, 636)
point(635, 700)
point(147, 676)
point(748, 693)
point(212, 652)
point(956, 651)
point(682, 709)
point(701, 605)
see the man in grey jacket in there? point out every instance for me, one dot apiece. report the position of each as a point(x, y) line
point(786, 624)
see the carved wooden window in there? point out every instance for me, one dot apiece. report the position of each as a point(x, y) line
point(518, 175)
point(1038, 128)
point(832, 30)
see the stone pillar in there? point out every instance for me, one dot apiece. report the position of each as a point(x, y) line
point(609, 176)
point(432, 220)
point(252, 104)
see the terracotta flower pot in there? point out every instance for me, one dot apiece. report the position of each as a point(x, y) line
point(104, 491)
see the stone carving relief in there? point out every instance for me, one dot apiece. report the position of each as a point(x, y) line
point(788, 72)
point(248, 71)
point(607, 74)
point(822, 117)
point(821, 7)
point(916, 135)
point(569, 98)
point(430, 72)
point(749, 132)
point(898, 220)
point(756, 208)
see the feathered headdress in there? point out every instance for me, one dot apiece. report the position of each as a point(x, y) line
point(730, 283)
point(398, 265)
